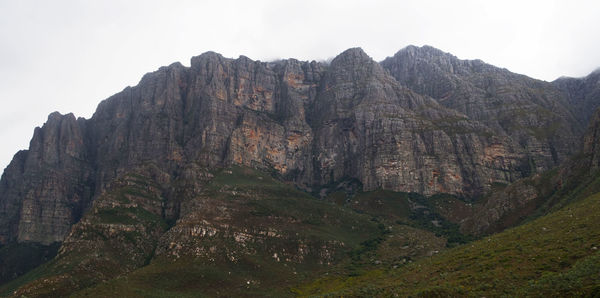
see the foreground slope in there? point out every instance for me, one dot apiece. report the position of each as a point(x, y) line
point(244, 233)
point(555, 255)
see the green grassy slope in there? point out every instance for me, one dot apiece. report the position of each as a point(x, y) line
point(268, 238)
point(409, 209)
point(556, 255)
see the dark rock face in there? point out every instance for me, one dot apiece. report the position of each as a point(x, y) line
point(591, 142)
point(436, 124)
point(539, 193)
point(45, 189)
point(370, 128)
point(582, 94)
point(18, 258)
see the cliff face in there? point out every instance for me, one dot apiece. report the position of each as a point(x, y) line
point(538, 118)
point(591, 142)
point(219, 111)
point(574, 179)
point(418, 122)
point(370, 128)
point(45, 189)
point(582, 94)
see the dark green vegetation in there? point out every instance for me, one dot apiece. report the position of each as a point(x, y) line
point(18, 258)
point(554, 253)
point(414, 210)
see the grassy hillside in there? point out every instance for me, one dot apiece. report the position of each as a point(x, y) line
point(245, 233)
point(557, 254)
point(308, 234)
point(377, 229)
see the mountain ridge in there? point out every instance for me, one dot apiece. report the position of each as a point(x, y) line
point(288, 96)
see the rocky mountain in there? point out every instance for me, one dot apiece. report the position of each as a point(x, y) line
point(147, 176)
point(313, 124)
point(46, 188)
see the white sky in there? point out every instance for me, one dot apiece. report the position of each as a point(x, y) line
point(67, 56)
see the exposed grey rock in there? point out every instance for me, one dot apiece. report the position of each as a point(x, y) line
point(582, 94)
point(45, 189)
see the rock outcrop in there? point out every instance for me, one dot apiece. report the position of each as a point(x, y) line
point(582, 94)
point(46, 188)
point(538, 194)
point(370, 128)
point(591, 142)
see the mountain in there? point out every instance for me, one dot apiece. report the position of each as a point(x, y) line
point(285, 168)
point(313, 124)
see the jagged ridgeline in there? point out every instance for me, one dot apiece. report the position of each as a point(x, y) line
point(287, 161)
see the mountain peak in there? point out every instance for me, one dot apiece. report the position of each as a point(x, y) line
point(352, 55)
point(425, 50)
point(56, 116)
point(354, 51)
point(354, 65)
point(206, 56)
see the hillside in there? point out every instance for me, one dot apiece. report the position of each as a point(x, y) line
point(245, 233)
point(555, 255)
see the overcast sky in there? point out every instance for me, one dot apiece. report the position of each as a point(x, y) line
point(67, 56)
